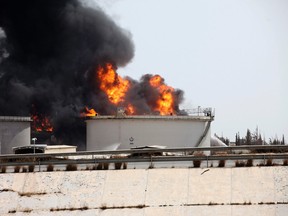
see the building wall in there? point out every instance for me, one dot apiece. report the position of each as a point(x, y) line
point(13, 134)
point(108, 134)
point(215, 191)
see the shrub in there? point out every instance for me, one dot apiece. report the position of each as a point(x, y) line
point(3, 169)
point(50, 168)
point(117, 165)
point(106, 166)
point(99, 166)
point(151, 166)
point(221, 163)
point(239, 163)
point(71, 167)
point(24, 169)
point(269, 162)
point(17, 169)
point(285, 162)
point(196, 163)
point(31, 168)
point(249, 163)
point(124, 165)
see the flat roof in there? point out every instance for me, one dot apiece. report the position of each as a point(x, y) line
point(60, 146)
point(45, 146)
point(15, 119)
point(152, 117)
point(41, 148)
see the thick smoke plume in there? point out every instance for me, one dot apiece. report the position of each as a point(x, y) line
point(49, 52)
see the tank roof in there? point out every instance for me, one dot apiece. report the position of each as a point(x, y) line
point(15, 119)
point(154, 117)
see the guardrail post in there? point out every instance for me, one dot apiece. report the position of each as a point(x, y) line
point(39, 165)
point(264, 160)
point(151, 162)
point(207, 160)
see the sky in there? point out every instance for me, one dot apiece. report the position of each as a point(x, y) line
point(230, 55)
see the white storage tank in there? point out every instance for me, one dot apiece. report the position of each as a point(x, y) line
point(125, 132)
point(14, 132)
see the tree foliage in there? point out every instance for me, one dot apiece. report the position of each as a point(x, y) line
point(248, 138)
point(255, 138)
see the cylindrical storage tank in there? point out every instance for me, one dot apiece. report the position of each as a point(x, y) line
point(111, 133)
point(14, 132)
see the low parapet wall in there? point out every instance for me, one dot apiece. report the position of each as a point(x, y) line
point(194, 191)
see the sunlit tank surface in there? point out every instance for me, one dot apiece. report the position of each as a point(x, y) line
point(14, 131)
point(125, 132)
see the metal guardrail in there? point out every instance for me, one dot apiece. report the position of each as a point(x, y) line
point(147, 156)
point(151, 151)
point(149, 159)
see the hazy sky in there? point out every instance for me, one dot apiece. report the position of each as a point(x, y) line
point(226, 54)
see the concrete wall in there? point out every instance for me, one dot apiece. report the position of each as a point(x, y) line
point(126, 133)
point(195, 191)
point(14, 134)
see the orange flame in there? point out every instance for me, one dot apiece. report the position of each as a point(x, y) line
point(116, 87)
point(165, 101)
point(155, 81)
point(130, 109)
point(88, 113)
point(41, 124)
point(113, 85)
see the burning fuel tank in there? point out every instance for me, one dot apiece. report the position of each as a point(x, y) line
point(14, 132)
point(125, 132)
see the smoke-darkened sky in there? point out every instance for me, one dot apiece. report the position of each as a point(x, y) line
point(49, 52)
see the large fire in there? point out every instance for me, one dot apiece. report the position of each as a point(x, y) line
point(165, 101)
point(112, 84)
point(115, 88)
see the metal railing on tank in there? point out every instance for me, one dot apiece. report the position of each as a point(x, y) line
point(200, 111)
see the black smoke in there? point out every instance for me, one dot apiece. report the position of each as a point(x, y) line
point(49, 54)
point(48, 49)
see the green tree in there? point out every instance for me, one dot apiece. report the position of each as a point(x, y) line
point(237, 139)
point(248, 138)
point(283, 140)
point(259, 141)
